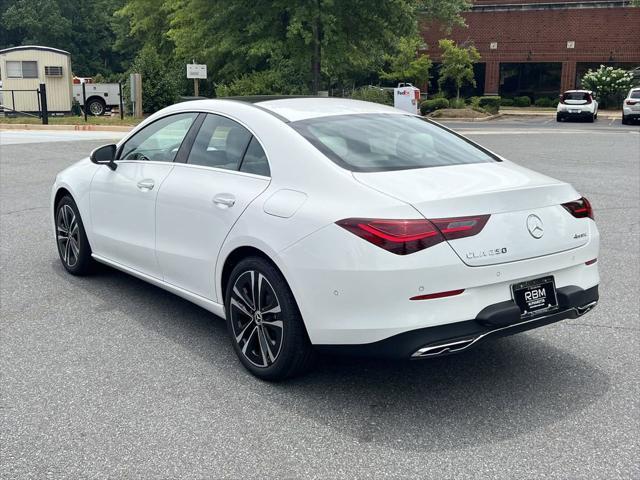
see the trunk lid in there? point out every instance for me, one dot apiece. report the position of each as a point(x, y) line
point(527, 218)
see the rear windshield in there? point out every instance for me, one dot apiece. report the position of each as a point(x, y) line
point(635, 94)
point(382, 142)
point(575, 96)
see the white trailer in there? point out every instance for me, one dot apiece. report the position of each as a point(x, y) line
point(101, 97)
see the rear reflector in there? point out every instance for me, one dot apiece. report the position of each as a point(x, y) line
point(580, 208)
point(403, 237)
point(430, 296)
point(591, 262)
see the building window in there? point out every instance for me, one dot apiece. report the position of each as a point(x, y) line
point(53, 71)
point(24, 69)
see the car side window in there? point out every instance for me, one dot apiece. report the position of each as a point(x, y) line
point(255, 160)
point(220, 143)
point(159, 141)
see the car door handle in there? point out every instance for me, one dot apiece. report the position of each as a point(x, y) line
point(224, 200)
point(146, 184)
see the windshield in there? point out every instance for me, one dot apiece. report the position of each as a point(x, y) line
point(381, 142)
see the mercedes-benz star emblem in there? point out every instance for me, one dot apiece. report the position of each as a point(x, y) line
point(534, 225)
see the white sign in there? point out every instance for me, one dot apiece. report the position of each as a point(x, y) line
point(195, 70)
point(493, 46)
point(571, 44)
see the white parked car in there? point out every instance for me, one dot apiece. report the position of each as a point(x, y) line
point(631, 106)
point(577, 105)
point(329, 224)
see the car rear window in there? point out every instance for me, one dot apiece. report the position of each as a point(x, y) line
point(635, 94)
point(383, 142)
point(575, 96)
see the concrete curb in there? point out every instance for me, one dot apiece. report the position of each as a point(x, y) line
point(77, 128)
point(455, 119)
point(552, 113)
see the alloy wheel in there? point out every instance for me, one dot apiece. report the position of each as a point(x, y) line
point(255, 318)
point(68, 235)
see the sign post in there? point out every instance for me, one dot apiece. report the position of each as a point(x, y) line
point(135, 87)
point(196, 71)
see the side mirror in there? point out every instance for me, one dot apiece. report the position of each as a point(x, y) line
point(104, 155)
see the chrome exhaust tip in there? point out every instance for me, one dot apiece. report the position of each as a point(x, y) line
point(585, 308)
point(460, 345)
point(442, 348)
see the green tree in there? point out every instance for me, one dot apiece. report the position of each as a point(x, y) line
point(159, 83)
point(457, 65)
point(407, 64)
point(322, 42)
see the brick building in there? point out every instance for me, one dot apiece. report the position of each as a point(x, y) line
point(542, 47)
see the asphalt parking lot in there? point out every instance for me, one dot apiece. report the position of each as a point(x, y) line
point(108, 377)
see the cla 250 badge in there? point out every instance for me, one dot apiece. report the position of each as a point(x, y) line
point(492, 252)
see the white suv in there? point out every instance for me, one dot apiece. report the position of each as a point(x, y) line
point(577, 104)
point(631, 106)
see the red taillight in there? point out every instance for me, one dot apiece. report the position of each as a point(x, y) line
point(580, 208)
point(403, 237)
point(591, 262)
point(589, 99)
point(631, 102)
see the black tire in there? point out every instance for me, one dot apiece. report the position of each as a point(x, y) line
point(625, 120)
point(96, 107)
point(268, 351)
point(71, 239)
point(558, 117)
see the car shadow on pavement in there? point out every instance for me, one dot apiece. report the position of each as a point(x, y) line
point(497, 391)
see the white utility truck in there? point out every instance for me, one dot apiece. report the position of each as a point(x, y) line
point(101, 97)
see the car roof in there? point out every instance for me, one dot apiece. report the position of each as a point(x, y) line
point(303, 108)
point(578, 91)
point(294, 108)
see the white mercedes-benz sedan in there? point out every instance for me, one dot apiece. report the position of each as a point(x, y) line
point(321, 224)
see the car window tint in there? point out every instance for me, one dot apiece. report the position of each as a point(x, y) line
point(255, 160)
point(220, 143)
point(159, 141)
point(381, 142)
point(635, 94)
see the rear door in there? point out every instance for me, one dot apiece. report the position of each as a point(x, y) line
point(201, 199)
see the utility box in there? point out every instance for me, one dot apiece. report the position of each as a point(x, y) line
point(407, 97)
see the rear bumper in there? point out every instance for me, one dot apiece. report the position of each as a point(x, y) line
point(497, 320)
point(629, 113)
point(581, 115)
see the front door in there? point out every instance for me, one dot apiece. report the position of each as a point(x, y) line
point(123, 200)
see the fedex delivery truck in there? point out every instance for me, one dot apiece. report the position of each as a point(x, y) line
point(407, 97)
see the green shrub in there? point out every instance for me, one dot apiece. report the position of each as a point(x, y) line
point(434, 104)
point(545, 102)
point(522, 101)
point(610, 84)
point(506, 102)
point(159, 82)
point(489, 104)
point(457, 103)
point(372, 94)
point(266, 82)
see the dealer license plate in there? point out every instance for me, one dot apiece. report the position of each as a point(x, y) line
point(535, 297)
